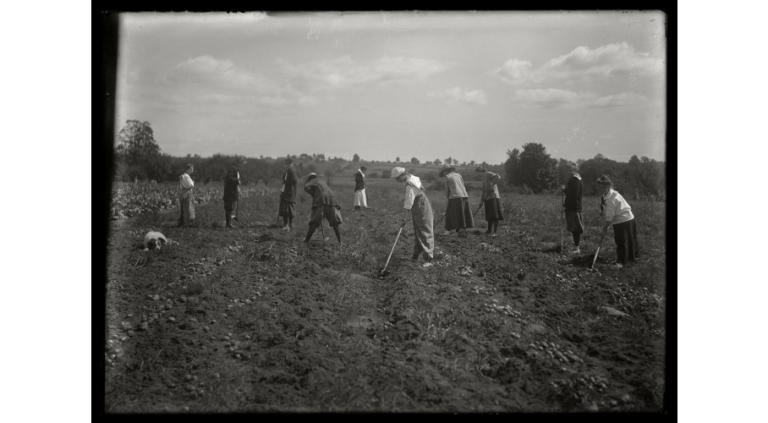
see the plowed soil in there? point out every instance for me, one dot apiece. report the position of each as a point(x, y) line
point(253, 319)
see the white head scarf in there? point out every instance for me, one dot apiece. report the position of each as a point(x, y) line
point(397, 171)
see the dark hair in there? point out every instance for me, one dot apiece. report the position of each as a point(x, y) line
point(288, 161)
point(311, 177)
point(189, 166)
point(604, 180)
point(363, 168)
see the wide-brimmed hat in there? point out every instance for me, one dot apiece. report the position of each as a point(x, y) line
point(445, 170)
point(604, 180)
point(396, 171)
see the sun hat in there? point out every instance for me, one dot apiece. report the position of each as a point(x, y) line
point(396, 171)
point(446, 169)
point(604, 180)
point(481, 169)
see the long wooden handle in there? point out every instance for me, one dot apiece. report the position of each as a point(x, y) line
point(597, 252)
point(393, 248)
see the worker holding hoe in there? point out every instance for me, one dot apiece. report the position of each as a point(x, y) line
point(421, 213)
point(324, 204)
point(458, 216)
point(288, 195)
point(491, 201)
point(572, 206)
point(617, 213)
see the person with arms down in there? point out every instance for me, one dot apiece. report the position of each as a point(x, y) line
point(421, 213)
point(186, 197)
point(361, 201)
point(231, 191)
point(572, 206)
point(324, 204)
point(491, 199)
point(288, 195)
point(617, 213)
point(458, 216)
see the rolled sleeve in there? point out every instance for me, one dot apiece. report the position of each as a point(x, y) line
point(410, 196)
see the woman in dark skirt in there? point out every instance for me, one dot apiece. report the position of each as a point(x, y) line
point(572, 206)
point(459, 215)
point(617, 213)
point(491, 200)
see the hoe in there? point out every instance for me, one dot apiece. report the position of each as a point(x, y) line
point(383, 272)
point(596, 253)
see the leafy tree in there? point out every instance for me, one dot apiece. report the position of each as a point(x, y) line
point(437, 162)
point(355, 158)
point(448, 161)
point(414, 160)
point(397, 160)
point(472, 163)
point(634, 161)
point(512, 168)
point(138, 150)
point(533, 167)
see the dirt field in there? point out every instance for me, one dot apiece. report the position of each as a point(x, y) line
point(252, 319)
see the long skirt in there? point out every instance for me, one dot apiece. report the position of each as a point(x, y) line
point(423, 220)
point(625, 235)
point(187, 205)
point(573, 221)
point(459, 215)
point(287, 208)
point(493, 209)
point(360, 199)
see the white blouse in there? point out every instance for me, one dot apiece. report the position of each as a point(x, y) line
point(413, 189)
point(186, 182)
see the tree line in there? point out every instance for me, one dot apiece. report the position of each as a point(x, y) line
point(535, 170)
point(532, 170)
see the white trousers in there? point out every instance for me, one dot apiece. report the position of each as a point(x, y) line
point(360, 199)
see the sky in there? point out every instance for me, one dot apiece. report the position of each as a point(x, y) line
point(383, 85)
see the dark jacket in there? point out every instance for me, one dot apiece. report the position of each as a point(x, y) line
point(289, 190)
point(573, 192)
point(359, 181)
point(321, 193)
point(231, 182)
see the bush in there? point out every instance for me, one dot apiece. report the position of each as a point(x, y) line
point(374, 175)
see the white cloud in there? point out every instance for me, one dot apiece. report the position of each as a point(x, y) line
point(345, 71)
point(552, 97)
point(208, 81)
point(611, 59)
point(515, 71)
point(557, 98)
point(582, 63)
point(212, 72)
point(618, 100)
point(456, 95)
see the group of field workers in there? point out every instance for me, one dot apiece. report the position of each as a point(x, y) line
point(614, 209)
